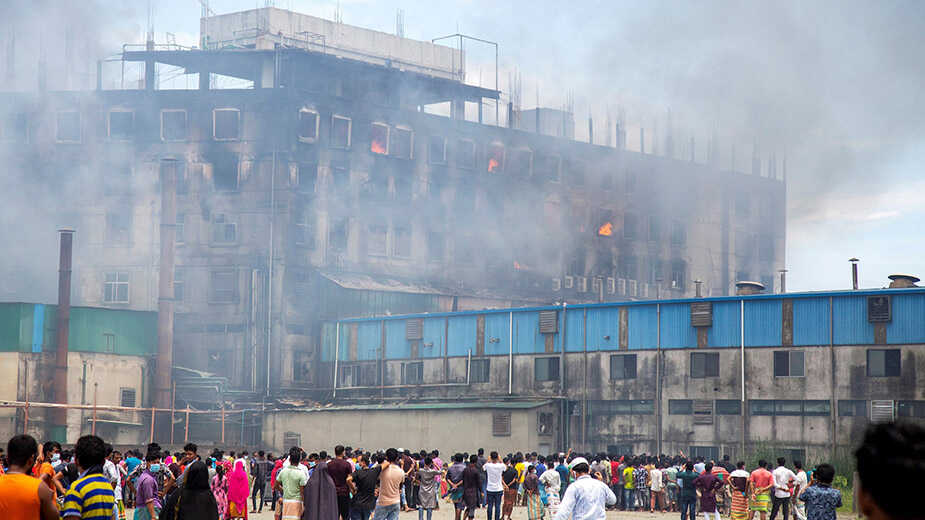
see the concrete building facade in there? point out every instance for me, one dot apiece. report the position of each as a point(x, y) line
point(327, 191)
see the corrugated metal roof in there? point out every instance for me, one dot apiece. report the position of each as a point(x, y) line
point(362, 282)
point(442, 405)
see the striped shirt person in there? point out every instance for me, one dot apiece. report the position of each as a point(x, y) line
point(91, 496)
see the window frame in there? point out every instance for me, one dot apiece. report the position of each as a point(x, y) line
point(707, 360)
point(123, 391)
point(550, 361)
point(720, 406)
point(116, 283)
point(224, 223)
point(391, 150)
point(886, 362)
point(388, 137)
point(624, 358)
point(852, 406)
point(430, 144)
point(334, 118)
point(418, 367)
point(215, 112)
point(394, 249)
point(790, 360)
point(475, 154)
point(109, 114)
point(302, 138)
point(185, 125)
point(495, 145)
point(377, 228)
point(234, 292)
point(680, 407)
point(480, 366)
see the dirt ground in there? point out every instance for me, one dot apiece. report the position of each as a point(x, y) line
point(520, 513)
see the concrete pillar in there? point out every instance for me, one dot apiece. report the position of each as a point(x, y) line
point(204, 76)
point(458, 109)
point(266, 73)
point(480, 110)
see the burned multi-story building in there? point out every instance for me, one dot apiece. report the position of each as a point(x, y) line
point(328, 187)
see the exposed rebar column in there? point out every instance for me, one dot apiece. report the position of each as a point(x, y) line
point(59, 415)
point(164, 365)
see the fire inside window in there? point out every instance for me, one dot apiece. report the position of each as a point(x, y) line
point(340, 131)
point(226, 124)
point(173, 125)
point(121, 123)
point(495, 156)
point(308, 125)
point(605, 227)
point(379, 138)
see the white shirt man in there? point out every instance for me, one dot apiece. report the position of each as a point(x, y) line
point(655, 479)
point(493, 469)
point(800, 483)
point(586, 498)
point(551, 480)
point(782, 478)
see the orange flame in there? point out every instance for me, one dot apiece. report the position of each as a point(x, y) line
point(377, 147)
point(605, 230)
point(493, 164)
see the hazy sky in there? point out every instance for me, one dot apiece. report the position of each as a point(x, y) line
point(835, 87)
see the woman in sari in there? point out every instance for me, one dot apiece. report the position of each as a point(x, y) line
point(194, 501)
point(238, 491)
point(320, 496)
point(738, 486)
point(219, 487)
point(535, 508)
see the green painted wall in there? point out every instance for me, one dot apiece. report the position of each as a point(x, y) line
point(112, 331)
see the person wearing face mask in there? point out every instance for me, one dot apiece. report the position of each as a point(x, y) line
point(44, 466)
point(147, 502)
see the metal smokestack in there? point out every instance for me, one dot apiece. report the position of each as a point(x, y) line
point(783, 280)
point(59, 415)
point(590, 130)
point(854, 273)
point(164, 365)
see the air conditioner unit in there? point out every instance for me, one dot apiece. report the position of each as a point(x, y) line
point(611, 285)
point(556, 284)
point(631, 288)
point(621, 286)
point(569, 282)
point(597, 284)
point(582, 283)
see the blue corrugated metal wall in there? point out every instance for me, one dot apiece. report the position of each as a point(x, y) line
point(527, 337)
point(642, 323)
point(434, 331)
point(725, 331)
point(763, 327)
point(574, 330)
point(369, 339)
point(908, 315)
point(811, 321)
point(762, 323)
point(395, 343)
point(850, 321)
point(496, 327)
point(462, 333)
point(676, 327)
point(603, 328)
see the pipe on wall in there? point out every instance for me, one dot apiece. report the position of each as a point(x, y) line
point(64, 324)
point(165, 291)
point(336, 355)
point(742, 370)
point(510, 355)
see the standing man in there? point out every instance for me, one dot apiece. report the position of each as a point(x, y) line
point(290, 483)
point(147, 500)
point(509, 483)
point(363, 483)
point(259, 470)
point(340, 469)
point(494, 491)
point(391, 478)
point(480, 465)
point(657, 485)
point(783, 478)
point(760, 483)
point(22, 496)
point(629, 487)
point(563, 471)
point(799, 484)
point(111, 471)
point(472, 486)
point(586, 498)
point(707, 483)
point(687, 499)
point(89, 497)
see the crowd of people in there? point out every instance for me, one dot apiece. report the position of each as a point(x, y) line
point(95, 482)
